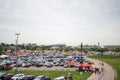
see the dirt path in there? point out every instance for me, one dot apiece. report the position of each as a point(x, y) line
point(44, 68)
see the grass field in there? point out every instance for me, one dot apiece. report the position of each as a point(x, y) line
point(114, 61)
point(53, 73)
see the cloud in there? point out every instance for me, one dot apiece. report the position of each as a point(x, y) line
point(75, 20)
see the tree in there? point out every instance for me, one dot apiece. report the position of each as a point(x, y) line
point(22, 46)
point(117, 49)
point(1, 49)
point(66, 49)
point(102, 50)
point(93, 49)
point(12, 45)
point(3, 44)
point(78, 49)
point(45, 47)
point(39, 49)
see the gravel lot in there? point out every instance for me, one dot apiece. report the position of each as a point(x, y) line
point(45, 68)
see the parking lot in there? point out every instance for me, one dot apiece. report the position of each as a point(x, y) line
point(39, 61)
point(43, 61)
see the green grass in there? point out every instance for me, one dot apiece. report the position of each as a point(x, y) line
point(114, 61)
point(53, 73)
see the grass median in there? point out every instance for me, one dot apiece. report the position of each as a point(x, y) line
point(53, 73)
point(114, 61)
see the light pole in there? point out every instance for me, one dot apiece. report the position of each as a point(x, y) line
point(81, 48)
point(16, 43)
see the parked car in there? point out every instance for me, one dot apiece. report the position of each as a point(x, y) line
point(30, 77)
point(48, 64)
point(61, 64)
point(1, 67)
point(82, 67)
point(38, 64)
point(42, 78)
point(18, 77)
point(71, 64)
point(66, 65)
point(2, 75)
point(8, 67)
point(61, 78)
point(56, 63)
point(26, 64)
point(8, 76)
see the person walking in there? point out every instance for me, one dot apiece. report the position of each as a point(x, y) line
point(102, 64)
point(95, 70)
point(102, 69)
point(70, 78)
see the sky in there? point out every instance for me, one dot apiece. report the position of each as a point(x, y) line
point(67, 22)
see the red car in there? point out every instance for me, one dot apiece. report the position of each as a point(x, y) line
point(71, 64)
point(84, 66)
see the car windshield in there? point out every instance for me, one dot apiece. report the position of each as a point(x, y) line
point(38, 77)
point(2, 73)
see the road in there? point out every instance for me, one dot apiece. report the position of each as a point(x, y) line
point(107, 74)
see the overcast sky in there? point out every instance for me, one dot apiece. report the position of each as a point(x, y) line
point(60, 21)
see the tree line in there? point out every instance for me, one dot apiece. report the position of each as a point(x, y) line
point(12, 47)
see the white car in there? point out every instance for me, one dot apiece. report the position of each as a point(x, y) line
point(60, 78)
point(18, 77)
point(42, 78)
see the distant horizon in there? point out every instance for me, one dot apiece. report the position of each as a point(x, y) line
point(65, 44)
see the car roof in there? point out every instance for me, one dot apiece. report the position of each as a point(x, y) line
point(19, 74)
point(62, 77)
point(41, 76)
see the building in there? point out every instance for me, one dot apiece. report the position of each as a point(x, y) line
point(86, 47)
point(30, 44)
point(112, 47)
point(58, 46)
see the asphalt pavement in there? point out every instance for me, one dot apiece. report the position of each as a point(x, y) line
point(107, 74)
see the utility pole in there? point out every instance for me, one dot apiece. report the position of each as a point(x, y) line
point(16, 43)
point(98, 45)
point(81, 48)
